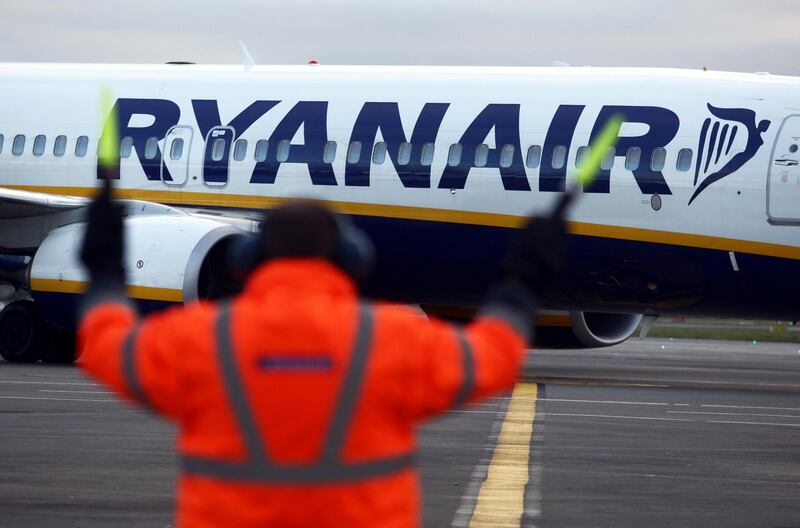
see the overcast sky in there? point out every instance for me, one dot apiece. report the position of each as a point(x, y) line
point(740, 35)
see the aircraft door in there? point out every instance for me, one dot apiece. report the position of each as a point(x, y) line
point(216, 160)
point(783, 181)
point(175, 158)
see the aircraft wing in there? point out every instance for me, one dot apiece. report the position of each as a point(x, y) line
point(27, 217)
point(25, 204)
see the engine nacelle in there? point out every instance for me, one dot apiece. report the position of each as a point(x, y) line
point(169, 257)
point(588, 330)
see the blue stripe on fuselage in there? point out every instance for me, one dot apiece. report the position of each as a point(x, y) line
point(446, 263)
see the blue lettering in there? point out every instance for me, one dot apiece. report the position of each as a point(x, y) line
point(165, 116)
point(663, 125)
point(504, 119)
point(386, 117)
point(560, 134)
point(206, 111)
point(313, 117)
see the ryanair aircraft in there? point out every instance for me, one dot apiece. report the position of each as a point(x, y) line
point(696, 210)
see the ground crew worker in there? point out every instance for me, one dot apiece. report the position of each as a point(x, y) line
point(296, 403)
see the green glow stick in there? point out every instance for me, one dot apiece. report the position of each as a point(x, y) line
point(608, 138)
point(108, 153)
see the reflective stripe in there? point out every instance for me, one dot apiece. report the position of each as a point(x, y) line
point(307, 474)
point(468, 366)
point(330, 468)
point(351, 386)
point(129, 367)
point(256, 447)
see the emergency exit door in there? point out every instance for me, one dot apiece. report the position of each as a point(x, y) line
point(216, 161)
point(783, 182)
point(175, 158)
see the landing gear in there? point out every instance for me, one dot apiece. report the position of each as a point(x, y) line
point(23, 335)
point(26, 338)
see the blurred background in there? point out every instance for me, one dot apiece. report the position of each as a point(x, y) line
point(739, 35)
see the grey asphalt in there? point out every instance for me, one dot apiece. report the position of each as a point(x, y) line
point(649, 433)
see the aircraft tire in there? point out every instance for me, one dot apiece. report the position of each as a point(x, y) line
point(61, 348)
point(23, 335)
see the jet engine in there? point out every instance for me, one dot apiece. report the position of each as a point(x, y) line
point(556, 329)
point(172, 257)
point(588, 330)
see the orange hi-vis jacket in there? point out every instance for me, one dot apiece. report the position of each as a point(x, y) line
point(297, 405)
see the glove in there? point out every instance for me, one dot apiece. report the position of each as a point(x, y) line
point(101, 251)
point(538, 252)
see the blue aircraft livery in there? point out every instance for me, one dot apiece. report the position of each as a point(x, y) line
point(723, 137)
point(407, 153)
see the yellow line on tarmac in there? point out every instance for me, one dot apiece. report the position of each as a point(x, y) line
point(501, 501)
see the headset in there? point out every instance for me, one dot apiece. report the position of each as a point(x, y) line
point(355, 253)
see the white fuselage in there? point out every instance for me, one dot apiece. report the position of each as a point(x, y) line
point(512, 128)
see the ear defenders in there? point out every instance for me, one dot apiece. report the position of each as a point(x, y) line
point(354, 254)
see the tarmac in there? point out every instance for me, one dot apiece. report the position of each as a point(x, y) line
point(649, 433)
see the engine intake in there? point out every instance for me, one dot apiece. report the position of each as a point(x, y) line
point(588, 330)
point(172, 257)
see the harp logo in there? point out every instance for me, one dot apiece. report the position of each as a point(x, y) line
point(727, 142)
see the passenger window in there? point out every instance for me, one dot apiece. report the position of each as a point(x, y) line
point(176, 150)
point(282, 155)
point(481, 155)
point(239, 150)
point(506, 156)
point(608, 160)
point(685, 160)
point(2, 139)
point(581, 156)
point(18, 147)
point(217, 149)
point(404, 153)
point(39, 144)
point(379, 153)
point(125, 147)
point(534, 156)
point(60, 146)
point(261, 150)
point(559, 160)
point(329, 152)
point(633, 158)
point(151, 148)
point(658, 160)
point(454, 156)
point(354, 153)
point(428, 150)
point(81, 146)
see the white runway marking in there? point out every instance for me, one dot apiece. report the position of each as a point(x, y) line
point(75, 391)
point(750, 407)
point(54, 399)
point(604, 401)
point(735, 414)
point(754, 423)
point(82, 384)
point(470, 498)
point(621, 417)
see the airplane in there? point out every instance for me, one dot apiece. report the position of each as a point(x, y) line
point(695, 211)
